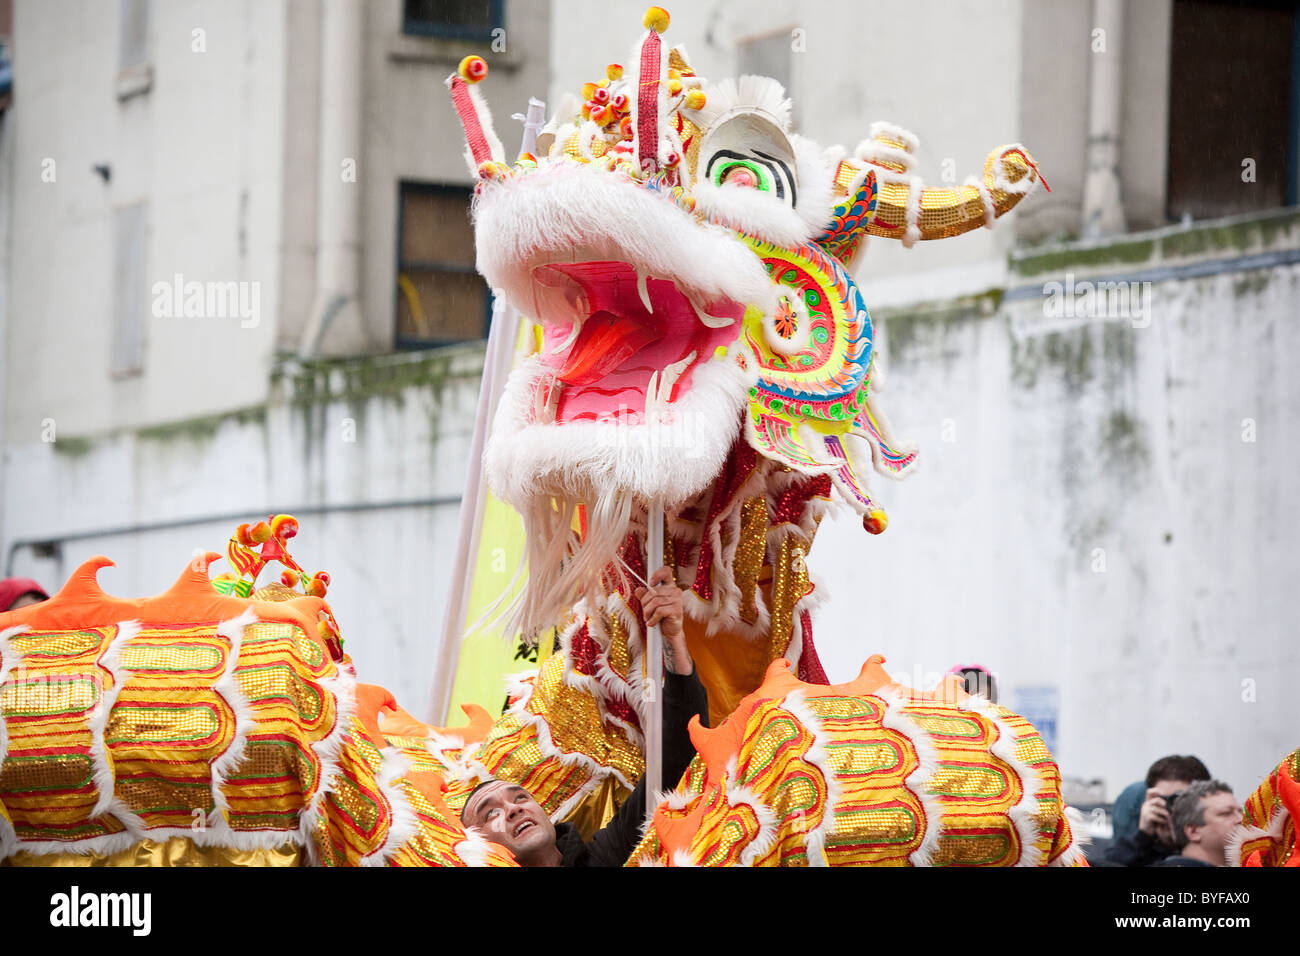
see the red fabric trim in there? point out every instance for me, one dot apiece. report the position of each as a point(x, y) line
point(740, 463)
point(647, 102)
point(474, 136)
point(810, 665)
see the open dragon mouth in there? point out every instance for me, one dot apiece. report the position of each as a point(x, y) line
point(620, 344)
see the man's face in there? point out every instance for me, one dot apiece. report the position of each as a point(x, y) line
point(1222, 814)
point(507, 814)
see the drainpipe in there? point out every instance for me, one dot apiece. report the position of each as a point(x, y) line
point(1103, 204)
point(338, 224)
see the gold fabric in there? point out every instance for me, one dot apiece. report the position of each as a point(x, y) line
point(750, 551)
point(789, 586)
point(175, 851)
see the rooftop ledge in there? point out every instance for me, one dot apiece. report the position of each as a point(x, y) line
point(1271, 235)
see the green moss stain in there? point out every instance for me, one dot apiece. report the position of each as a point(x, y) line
point(1069, 353)
point(1120, 441)
point(1228, 240)
point(1251, 283)
point(75, 447)
point(1066, 259)
point(934, 322)
point(357, 379)
point(202, 429)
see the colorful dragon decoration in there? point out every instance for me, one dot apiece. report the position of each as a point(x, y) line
point(700, 342)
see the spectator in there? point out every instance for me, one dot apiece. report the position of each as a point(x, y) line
point(1204, 816)
point(20, 592)
point(1153, 839)
point(979, 680)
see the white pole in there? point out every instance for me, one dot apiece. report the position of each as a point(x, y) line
point(652, 692)
point(497, 362)
point(505, 322)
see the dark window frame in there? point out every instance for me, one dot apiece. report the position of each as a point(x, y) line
point(450, 31)
point(406, 187)
point(1291, 137)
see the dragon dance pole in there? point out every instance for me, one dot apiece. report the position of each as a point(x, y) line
point(654, 668)
point(503, 335)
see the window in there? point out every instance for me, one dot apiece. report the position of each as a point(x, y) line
point(1233, 107)
point(133, 33)
point(453, 19)
point(134, 73)
point(440, 297)
point(130, 304)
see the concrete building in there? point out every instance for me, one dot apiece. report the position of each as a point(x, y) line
point(1099, 385)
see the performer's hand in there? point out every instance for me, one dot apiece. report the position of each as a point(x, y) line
point(662, 604)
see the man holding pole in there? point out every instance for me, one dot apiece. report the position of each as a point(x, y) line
point(507, 814)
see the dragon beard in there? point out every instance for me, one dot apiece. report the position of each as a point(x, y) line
point(614, 469)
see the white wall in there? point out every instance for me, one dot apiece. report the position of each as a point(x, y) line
point(202, 146)
point(1104, 441)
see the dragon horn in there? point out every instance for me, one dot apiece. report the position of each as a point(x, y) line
point(907, 210)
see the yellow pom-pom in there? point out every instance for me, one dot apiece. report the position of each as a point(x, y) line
point(674, 74)
point(656, 19)
point(472, 69)
point(588, 91)
point(875, 521)
point(614, 71)
point(694, 99)
point(674, 87)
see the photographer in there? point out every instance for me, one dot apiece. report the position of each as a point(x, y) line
point(1154, 838)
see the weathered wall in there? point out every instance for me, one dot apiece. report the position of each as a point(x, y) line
point(202, 148)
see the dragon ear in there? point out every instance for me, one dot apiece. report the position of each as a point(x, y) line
point(850, 217)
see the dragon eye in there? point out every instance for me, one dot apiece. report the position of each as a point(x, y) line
point(744, 172)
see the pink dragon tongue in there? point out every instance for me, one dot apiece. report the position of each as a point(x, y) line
point(634, 327)
point(605, 342)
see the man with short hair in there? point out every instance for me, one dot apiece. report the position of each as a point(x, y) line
point(505, 813)
point(1204, 817)
point(1154, 838)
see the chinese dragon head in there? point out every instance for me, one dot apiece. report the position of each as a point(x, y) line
point(700, 342)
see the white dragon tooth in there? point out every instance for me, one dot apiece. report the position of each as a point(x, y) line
point(539, 399)
point(652, 393)
point(568, 339)
point(670, 376)
point(714, 321)
point(642, 290)
point(553, 399)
